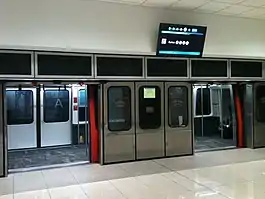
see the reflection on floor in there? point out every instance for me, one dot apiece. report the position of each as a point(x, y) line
point(18, 159)
point(210, 143)
point(229, 174)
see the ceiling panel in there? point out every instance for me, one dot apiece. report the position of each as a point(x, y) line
point(189, 4)
point(212, 7)
point(235, 10)
point(256, 12)
point(256, 3)
point(230, 1)
point(238, 8)
point(160, 3)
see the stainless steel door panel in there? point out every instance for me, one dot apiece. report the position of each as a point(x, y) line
point(259, 122)
point(119, 145)
point(178, 137)
point(149, 142)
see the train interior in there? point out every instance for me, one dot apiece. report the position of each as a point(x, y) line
point(214, 117)
point(47, 125)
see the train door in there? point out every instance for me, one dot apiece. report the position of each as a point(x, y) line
point(55, 116)
point(178, 119)
point(259, 115)
point(21, 117)
point(149, 120)
point(119, 128)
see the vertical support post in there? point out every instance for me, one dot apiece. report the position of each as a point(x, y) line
point(94, 133)
point(3, 134)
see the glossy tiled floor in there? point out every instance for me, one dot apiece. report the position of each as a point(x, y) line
point(234, 174)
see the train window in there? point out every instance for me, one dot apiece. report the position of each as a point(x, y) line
point(119, 108)
point(82, 114)
point(149, 107)
point(260, 103)
point(177, 106)
point(19, 107)
point(56, 105)
point(203, 101)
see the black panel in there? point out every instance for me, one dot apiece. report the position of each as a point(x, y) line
point(246, 69)
point(166, 68)
point(208, 68)
point(117, 66)
point(15, 64)
point(64, 65)
point(149, 107)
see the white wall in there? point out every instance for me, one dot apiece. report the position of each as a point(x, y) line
point(85, 25)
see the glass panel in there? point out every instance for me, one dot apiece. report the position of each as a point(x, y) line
point(56, 105)
point(149, 107)
point(83, 102)
point(19, 107)
point(260, 104)
point(119, 108)
point(205, 104)
point(177, 106)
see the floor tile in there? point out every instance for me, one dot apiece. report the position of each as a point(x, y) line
point(154, 182)
point(101, 190)
point(67, 192)
point(58, 177)
point(7, 185)
point(10, 196)
point(29, 181)
point(39, 194)
point(247, 190)
point(185, 182)
point(143, 168)
point(134, 189)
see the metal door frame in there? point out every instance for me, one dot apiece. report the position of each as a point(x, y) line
point(160, 130)
point(104, 124)
point(255, 122)
point(3, 133)
point(189, 127)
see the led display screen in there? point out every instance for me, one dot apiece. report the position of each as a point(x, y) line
point(181, 40)
point(149, 93)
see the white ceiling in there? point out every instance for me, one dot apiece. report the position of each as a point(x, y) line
point(240, 8)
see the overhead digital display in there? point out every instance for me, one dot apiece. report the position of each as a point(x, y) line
point(181, 40)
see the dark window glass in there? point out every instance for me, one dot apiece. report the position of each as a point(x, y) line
point(177, 106)
point(166, 68)
point(260, 103)
point(246, 69)
point(208, 68)
point(149, 107)
point(118, 66)
point(19, 107)
point(119, 108)
point(83, 105)
point(203, 101)
point(56, 105)
point(15, 64)
point(64, 65)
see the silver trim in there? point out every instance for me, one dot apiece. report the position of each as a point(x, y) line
point(63, 76)
point(120, 77)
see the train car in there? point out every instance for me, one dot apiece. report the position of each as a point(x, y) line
point(214, 115)
point(47, 121)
